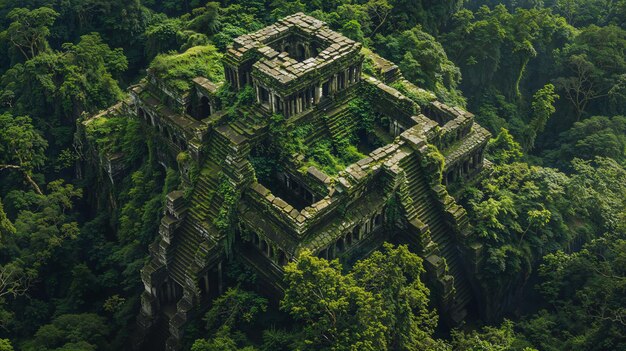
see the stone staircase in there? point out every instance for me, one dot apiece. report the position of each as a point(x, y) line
point(329, 107)
point(203, 207)
point(318, 131)
point(340, 123)
point(250, 121)
point(392, 75)
point(197, 239)
point(425, 208)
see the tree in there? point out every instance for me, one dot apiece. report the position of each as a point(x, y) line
point(475, 45)
point(21, 147)
point(5, 345)
point(233, 308)
point(488, 339)
point(282, 8)
point(88, 331)
point(89, 71)
point(582, 87)
point(519, 214)
point(207, 19)
point(55, 88)
point(584, 291)
point(162, 36)
point(591, 137)
point(46, 223)
point(380, 304)
point(336, 313)
point(6, 227)
point(542, 108)
point(592, 70)
point(379, 11)
point(29, 30)
point(504, 149)
point(393, 274)
point(221, 342)
point(598, 188)
point(352, 29)
point(424, 62)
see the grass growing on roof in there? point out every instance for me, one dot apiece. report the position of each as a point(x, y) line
point(116, 134)
point(178, 70)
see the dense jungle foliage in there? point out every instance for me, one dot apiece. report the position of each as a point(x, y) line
point(546, 77)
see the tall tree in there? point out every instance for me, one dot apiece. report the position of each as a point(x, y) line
point(6, 227)
point(56, 87)
point(394, 275)
point(542, 108)
point(21, 147)
point(29, 30)
point(593, 71)
point(337, 314)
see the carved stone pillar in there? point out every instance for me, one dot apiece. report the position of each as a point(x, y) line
point(271, 98)
point(318, 92)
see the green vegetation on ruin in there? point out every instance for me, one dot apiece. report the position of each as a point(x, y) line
point(547, 218)
point(177, 70)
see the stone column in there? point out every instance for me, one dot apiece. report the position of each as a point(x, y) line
point(318, 92)
point(271, 98)
point(331, 81)
point(298, 103)
point(258, 93)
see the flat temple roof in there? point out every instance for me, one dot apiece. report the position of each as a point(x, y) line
point(280, 66)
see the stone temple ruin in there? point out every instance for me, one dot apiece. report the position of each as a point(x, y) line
point(398, 191)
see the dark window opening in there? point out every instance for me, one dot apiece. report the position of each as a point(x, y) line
point(301, 53)
point(205, 108)
point(264, 96)
point(326, 88)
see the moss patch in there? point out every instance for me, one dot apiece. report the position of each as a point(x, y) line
point(177, 70)
point(116, 134)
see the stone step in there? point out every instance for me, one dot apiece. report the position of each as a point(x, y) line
point(429, 214)
point(185, 252)
point(428, 211)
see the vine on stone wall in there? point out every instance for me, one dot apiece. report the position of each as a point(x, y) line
point(225, 219)
point(433, 162)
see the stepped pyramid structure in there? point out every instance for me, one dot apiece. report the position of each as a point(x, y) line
point(413, 152)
